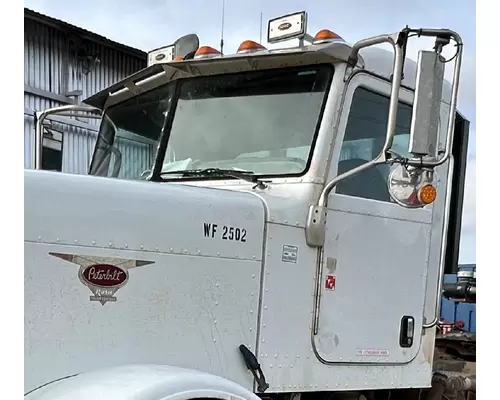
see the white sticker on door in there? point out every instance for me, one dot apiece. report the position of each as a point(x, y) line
point(372, 352)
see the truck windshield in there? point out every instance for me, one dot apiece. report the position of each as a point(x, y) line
point(260, 121)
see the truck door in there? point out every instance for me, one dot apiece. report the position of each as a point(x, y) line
point(376, 252)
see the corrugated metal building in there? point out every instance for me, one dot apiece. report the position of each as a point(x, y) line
point(64, 64)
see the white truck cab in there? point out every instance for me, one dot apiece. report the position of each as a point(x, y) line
point(278, 219)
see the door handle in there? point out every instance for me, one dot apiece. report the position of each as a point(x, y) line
point(407, 331)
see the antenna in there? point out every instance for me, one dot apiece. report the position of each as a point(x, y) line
point(222, 29)
point(260, 37)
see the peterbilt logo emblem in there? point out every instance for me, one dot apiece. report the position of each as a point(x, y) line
point(284, 26)
point(160, 57)
point(102, 275)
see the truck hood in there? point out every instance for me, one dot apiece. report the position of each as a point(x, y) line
point(122, 272)
point(143, 216)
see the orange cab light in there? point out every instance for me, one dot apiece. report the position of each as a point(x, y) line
point(178, 58)
point(427, 194)
point(206, 51)
point(325, 35)
point(249, 45)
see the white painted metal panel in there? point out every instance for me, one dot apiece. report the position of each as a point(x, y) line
point(286, 354)
point(156, 216)
point(192, 306)
point(379, 267)
point(187, 311)
point(153, 382)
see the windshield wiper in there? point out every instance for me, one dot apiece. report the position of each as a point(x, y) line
point(248, 176)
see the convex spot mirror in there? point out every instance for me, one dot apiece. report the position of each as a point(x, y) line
point(412, 187)
point(186, 45)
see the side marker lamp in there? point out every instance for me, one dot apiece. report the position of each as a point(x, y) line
point(427, 194)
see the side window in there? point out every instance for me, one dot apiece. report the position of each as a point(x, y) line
point(363, 141)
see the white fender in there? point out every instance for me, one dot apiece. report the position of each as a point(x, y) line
point(142, 382)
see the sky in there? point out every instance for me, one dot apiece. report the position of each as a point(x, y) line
point(150, 24)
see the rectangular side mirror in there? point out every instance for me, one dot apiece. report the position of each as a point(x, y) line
point(52, 152)
point(424, 133)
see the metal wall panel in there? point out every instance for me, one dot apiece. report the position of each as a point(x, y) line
point(137, 157)
point(43, 50)
point(78, 146)
point(50, 58)
point(112, 67)
point(52, 65)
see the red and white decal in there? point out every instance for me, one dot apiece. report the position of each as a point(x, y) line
point(330, 282)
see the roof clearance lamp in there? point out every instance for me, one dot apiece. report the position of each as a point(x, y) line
point(206, 52)
point(249, 46)
point(412, 188)
point(326, 36)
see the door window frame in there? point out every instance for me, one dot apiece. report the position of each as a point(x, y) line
point(343, 202)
